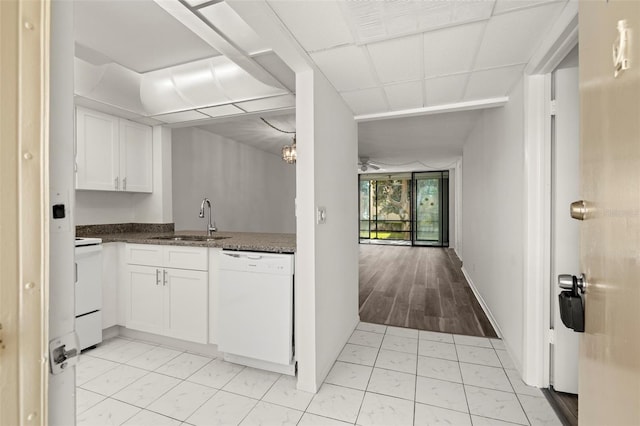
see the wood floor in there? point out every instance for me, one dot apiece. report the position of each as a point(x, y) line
point(418, 287)
point(564, 404)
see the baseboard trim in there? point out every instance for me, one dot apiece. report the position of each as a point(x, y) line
point(196, 348)
point(483, 304)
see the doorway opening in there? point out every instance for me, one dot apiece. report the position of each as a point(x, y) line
point(404, 208)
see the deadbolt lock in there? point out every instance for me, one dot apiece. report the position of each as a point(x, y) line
point(579, 210)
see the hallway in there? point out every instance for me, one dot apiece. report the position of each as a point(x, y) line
point(418, 287)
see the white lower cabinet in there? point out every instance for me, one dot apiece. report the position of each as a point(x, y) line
point(186, 307)
point(146, 299)
point(168, 301)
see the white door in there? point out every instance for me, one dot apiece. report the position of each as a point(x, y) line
point(62, 409)
point(565, 232)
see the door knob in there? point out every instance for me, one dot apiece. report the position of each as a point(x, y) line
point(579, 210)
point(571, 282)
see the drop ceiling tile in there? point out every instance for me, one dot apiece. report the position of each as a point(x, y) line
point(221, 111)
point(451, 50)
point(225, 19)
point(379, 20)
point(275, 102)
point(367, 101)
point(404, 95)
point(503, 6)
point(346, 67)
point(316, 25)
point(179, 117)
point(492, 83)
point(445, 90)
point(397, 60)
point(512, 37)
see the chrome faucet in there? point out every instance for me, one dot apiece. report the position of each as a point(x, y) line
point(211, 227)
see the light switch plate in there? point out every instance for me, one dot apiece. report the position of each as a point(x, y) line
point(321, 215)
point(61, 224)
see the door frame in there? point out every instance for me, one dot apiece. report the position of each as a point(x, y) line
point(24, 224)
point(537, 335)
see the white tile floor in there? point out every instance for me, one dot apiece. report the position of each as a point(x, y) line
point(384, 376)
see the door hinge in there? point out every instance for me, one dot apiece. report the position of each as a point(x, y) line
point(552, 336)
point(553, 107)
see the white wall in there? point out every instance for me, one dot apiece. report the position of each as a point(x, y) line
point(327, 263)
point(492, 218)
point(326, 283)
point(104, 207)
point(250, 190)
point(158, 206)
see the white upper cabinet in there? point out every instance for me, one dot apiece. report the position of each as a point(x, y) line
point(136, 157)
point(98, 151)
point(113, 154)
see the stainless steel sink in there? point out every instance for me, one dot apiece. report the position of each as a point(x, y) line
point(190, 238)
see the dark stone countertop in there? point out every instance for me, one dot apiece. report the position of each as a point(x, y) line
point(249, 241)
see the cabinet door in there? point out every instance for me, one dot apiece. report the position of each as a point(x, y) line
point(97, 151)
point(136, 157)
point(146, 299)
point(186, 316)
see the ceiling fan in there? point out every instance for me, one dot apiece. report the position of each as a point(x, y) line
point(365, 164)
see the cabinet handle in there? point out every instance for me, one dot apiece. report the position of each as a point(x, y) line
point(124, 184)
point(157, 276)
point(164, 277)
point(115, 181)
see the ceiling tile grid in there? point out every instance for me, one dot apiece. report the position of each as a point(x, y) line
point(397, 55)
point(398, 59)
point(452, 50)
point(493, 82)
point(366, 101)
point(445, 90)
point(406, 95)
point(317, 25)
point(509, 38)
point(347, 68)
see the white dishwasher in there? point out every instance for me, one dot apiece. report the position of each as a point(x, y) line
point(255, 310)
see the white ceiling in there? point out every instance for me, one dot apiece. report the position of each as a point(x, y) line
point(381, 56)
point(416, 143)
point(393, 55)
point(173, 63)
point(138, 35)
point(390, 56)
point(252, 131)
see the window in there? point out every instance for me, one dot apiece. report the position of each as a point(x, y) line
point(409, 208)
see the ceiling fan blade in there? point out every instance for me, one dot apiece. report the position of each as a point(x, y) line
point(373, 166)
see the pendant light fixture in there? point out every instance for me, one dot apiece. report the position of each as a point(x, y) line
point(289, 154)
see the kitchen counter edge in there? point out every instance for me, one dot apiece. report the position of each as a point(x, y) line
point(247, 241)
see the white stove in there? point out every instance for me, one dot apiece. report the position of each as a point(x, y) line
point(84, 241)
point(88, 291)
